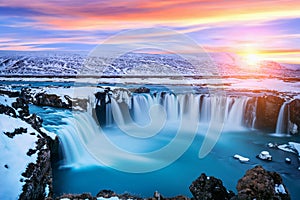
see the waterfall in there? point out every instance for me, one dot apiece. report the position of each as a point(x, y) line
point(236, 113)
point(283, 119)
point(254, 115)
point(146, 116)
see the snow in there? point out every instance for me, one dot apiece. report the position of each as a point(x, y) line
point(292, 147)
point(47, 190)
point(50, 134)
point(13, 154)
point(295, 146)
point(241, 158)
point(279, 189)
point(6, 101)
point(111, 198)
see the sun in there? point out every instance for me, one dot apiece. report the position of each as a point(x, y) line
point(253, 60)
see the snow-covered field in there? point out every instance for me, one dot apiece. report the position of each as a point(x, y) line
point(14, 160)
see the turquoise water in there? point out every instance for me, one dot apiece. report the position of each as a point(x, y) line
point(174, 179)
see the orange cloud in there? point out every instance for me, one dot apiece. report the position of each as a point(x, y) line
point(90, 15)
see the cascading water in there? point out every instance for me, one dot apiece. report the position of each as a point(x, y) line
point(283, 118)
point(135, 118)
point(160, 142)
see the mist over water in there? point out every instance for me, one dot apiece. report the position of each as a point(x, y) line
point(81, 138)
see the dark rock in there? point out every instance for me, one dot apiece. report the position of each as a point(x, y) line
point(74, 103)
point(83, 196)
point(17, 131)
point(7, 111)
point(106, 194)
point(22, 105)
point(31, 152)
point(6, 166)
point(128, 196)
point(267, 111)
point(295, 112)
point(34, 120)
point(250, 112)
point(38, 175)
point(29, 170)
point(260, 184)
point(43, 99)
point(206, 188)
point(10, 93)
point(140, 90)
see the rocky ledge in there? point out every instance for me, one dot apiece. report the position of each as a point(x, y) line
point(23, 132)
point(257, 183)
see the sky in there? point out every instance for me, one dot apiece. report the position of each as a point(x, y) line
point(268, 29)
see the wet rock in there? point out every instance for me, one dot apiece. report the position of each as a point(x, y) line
point(295, 114)
point(76, 103)
point(83, 196)
point(140, 90)
point(42, 99)
point(205, 188)
point(250, 112)
point(267, 111)
point(106, 194)
point(259, 184)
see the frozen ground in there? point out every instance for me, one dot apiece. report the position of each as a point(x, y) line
point(14, 160)
point(72, 64)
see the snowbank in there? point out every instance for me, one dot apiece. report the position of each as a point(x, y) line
point(241, 158)
point(14, 159)
point(292, 147)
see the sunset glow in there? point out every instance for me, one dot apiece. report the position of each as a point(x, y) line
point(229, 25)
point(253, 60)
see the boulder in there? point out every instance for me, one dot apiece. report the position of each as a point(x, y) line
point(205, 188)
point(260, 184)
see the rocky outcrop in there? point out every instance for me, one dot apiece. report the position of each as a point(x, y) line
point(250, 112)
point(111, 194)
point(261, 184)
point(295, 113)
point(10, 93)
point(140, 90)
point(206, 188)
point(38, 175)
point(257, 184)
point(83, 196)
point(43, 99)
point(267, 111)
point(21, 106)
point(7, 111)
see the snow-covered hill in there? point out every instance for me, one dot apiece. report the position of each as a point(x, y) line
point(72, 64)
